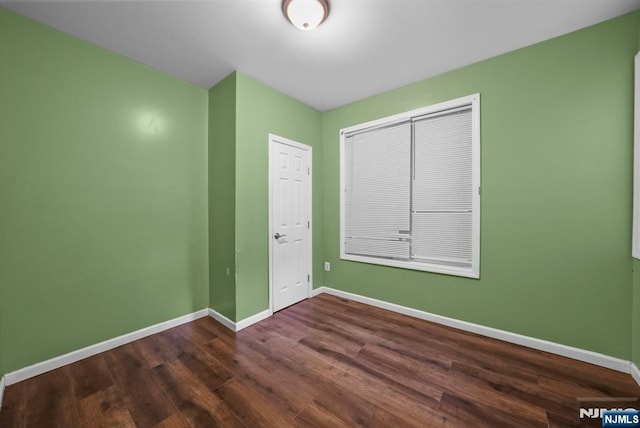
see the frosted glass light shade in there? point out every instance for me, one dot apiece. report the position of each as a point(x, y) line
point(305, 14)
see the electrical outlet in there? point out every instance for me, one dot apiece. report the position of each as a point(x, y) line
point(327, 266)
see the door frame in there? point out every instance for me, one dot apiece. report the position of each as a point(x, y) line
point(273, 141)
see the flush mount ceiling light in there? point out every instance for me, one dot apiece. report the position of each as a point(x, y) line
point(305, 14)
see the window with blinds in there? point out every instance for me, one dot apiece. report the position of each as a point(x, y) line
point(411, 189)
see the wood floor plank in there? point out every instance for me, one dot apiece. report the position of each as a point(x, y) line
point(157, 349)
point(238, 355)
point(14, 406)
point(345, 324)
point(478, 415)
point(225, 352)
point(251, 407)
point(284, 388)
point(524, 391)
point(90, 376)
point(177, 420)
point(148, 404)
point(194, 399)
point(50, 400)
point(194, 331)
point(327, 334)
point(209, 370)
point(279, 326)
point(608, 381)
point(366, 394)
point(400, 377)
point(313, 416)
point(412, 410)
point(424, 343)
point(183, 340)
point(424, 359)
point(416, 376)
point(104, 409)
point(583, 388)
point(324, 362)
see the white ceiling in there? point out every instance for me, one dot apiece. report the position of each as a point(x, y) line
point(364, 48)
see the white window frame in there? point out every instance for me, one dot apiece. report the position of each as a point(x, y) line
point(635, 239)
point(474, 270)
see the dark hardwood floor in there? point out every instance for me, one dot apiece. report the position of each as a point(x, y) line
point(323, 362)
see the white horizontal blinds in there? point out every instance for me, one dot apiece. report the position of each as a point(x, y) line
point(443, 238)
point(378, 191)
point(443, 188)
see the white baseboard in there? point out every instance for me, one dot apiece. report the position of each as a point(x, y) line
point(530, 342)
point(231, 325)
point(80, 354)
point(237, 326)
point(2, 384)
point(253, 319)
point(635, 373)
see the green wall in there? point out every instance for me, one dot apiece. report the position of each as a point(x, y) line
point(557, 125)
point(222, 197)
point(103, 189)
point(261, 110)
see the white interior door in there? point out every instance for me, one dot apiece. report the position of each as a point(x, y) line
point(290, 222)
